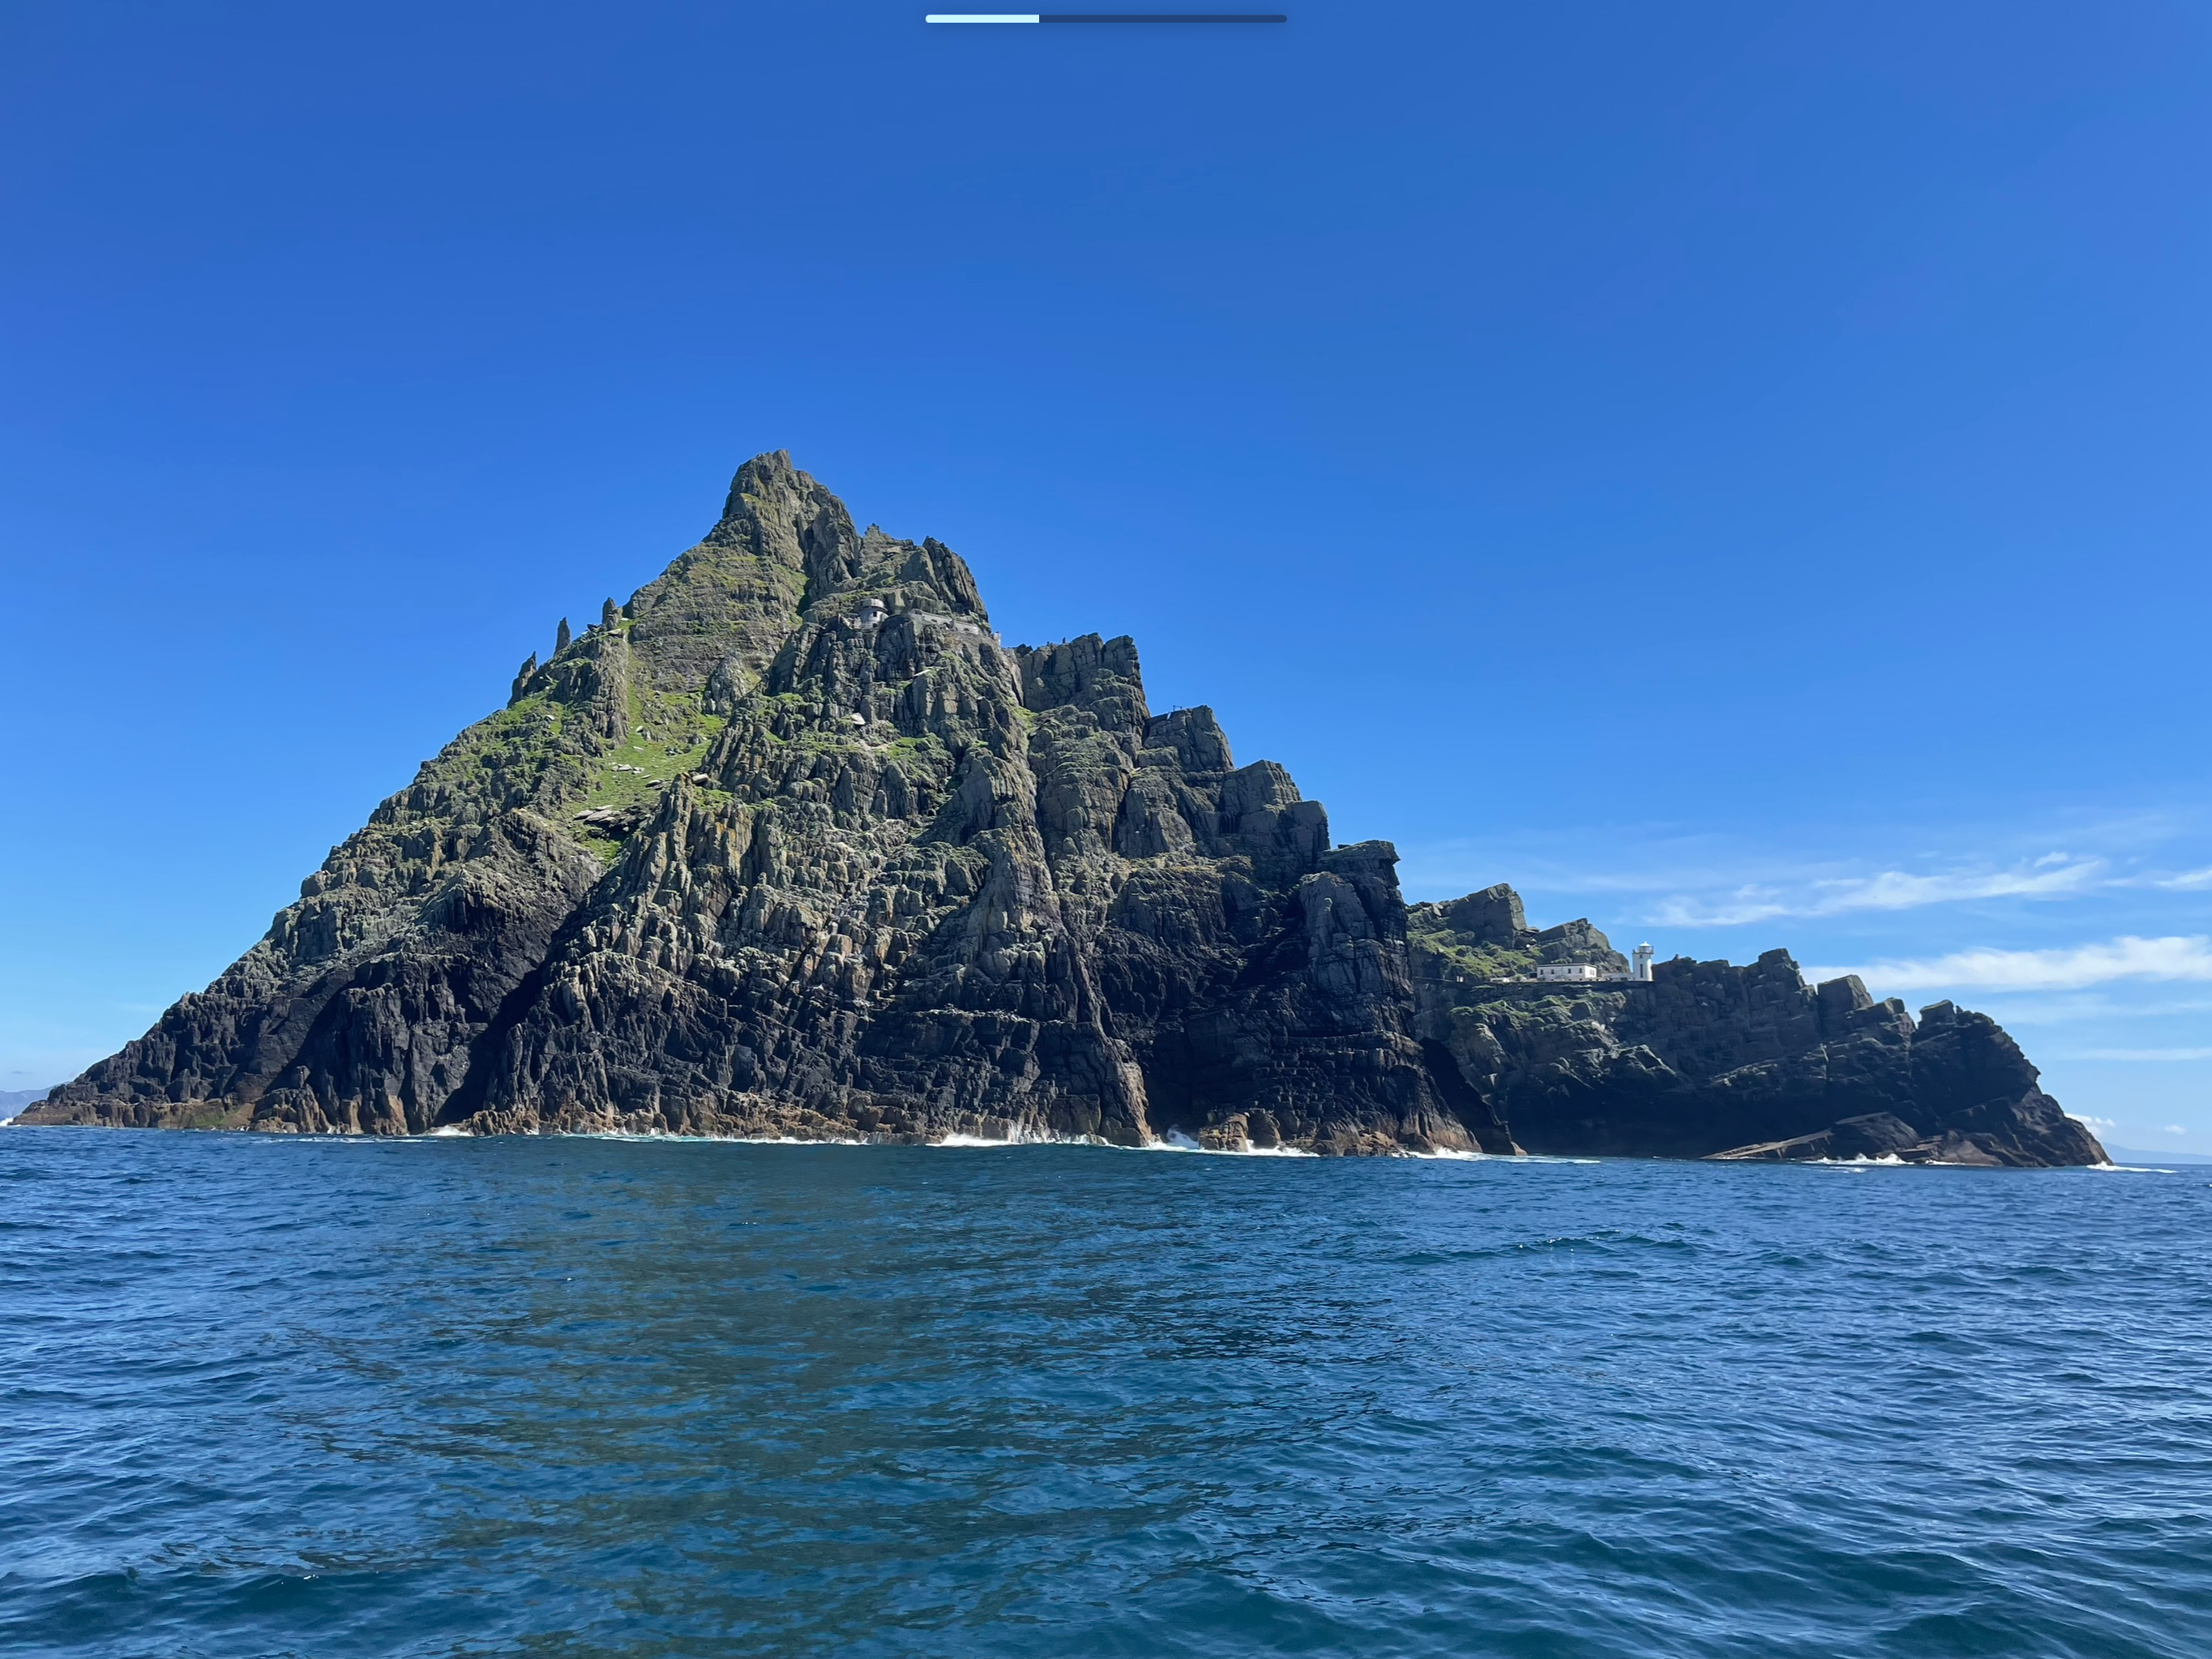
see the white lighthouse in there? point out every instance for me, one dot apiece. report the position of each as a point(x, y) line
point(1642, 966)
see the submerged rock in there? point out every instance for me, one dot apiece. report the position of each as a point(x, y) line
point(791, 844)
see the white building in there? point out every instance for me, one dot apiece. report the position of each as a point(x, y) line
point(1642, 969)
point(1574, 972)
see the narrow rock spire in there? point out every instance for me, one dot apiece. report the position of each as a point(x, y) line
point(561, 637)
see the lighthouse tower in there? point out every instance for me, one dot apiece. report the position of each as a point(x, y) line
point(1642, 969)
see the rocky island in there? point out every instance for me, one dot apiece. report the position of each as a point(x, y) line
point(791, 845)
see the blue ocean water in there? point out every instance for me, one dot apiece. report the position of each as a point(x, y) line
point(572, 1397)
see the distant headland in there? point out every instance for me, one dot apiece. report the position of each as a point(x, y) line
point(13, 1101)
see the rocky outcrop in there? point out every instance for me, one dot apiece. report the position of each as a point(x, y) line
point(1484, 937)
point(13, 1101)
point(1711, 1059)
point(792, 844)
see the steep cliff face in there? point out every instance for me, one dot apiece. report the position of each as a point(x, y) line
point(791, 844)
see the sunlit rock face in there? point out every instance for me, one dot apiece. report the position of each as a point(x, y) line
point(791, 844)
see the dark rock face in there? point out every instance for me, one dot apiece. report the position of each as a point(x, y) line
point(1709, 1060)
point(791, 845)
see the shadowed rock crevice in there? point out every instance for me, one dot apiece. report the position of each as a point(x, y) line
point(790, 844)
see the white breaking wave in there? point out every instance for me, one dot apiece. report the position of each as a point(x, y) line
point(1173, 1141)
point(1176, 1141)
point(1017, 1136)
point(2136, 1169)
point(657, 1138)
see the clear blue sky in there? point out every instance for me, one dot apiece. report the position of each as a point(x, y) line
point(1739, 471)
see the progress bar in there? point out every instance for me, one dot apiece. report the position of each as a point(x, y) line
point(1106, 17)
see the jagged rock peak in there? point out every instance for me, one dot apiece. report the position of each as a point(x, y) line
point(1492, 916)
point(1486, 935)
point(791, 845)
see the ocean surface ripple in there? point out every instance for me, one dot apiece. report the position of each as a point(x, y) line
point(571, 1397)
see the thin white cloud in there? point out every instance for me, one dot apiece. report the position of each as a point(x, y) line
point(2141, 1053)
point(2123, 1000)
point(2171, 1129)
point(2188, 880)
point(2053, 876)
point(2126, 957)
